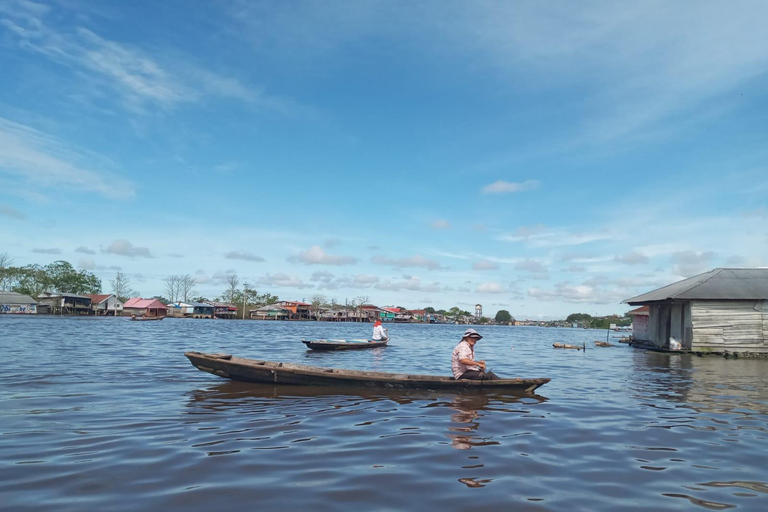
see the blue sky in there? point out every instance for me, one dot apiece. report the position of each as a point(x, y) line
point(543, 158)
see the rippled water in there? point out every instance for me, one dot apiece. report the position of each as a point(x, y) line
point(107, 414)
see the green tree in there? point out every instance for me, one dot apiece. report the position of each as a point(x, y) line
point(430, 310)
point(503, 317)
point(63, 278)
point(579, 317)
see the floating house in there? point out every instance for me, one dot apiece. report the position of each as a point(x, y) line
point(64, 304)
point(17, 304)
point(191, 310)
point(223, 310)
point(270, 312)
point(106, 304)
point(388, 314)
point(723, 310)
point(144, 307)
point(299, 310)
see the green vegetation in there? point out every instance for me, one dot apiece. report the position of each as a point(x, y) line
point(56, 277)
point(503, 317)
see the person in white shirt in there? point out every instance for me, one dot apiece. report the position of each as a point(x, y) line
point(379, 332)
point(463, 362)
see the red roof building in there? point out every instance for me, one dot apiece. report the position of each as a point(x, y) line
point(146, 307)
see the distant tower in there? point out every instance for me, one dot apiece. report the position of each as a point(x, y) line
point(478, 311)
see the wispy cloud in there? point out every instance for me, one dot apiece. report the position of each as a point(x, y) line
point(245, 256)
point(123, 247)
point(44, 161)
point(441, 224)
point(85, 250)
point(139, 78)
point(11, 212)
point(508, 187)
point(47, 251)
point(632, 258)
point(315, 255)
point(484, 265)
point(414, 261)
point(540, 236)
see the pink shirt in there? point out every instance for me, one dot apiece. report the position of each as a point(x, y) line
point(462, 351)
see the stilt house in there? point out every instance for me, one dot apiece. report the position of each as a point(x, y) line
point(724, 310)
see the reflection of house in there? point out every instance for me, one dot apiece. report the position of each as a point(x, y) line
point(271, 312)
point(721, 310)
point(144, 307)
point(223, 310)
point(640, 323)
point(17, 303)
point(64, 304)
point(191, 309)
point(106, 304)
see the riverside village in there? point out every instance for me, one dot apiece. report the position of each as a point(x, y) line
point(723, 311)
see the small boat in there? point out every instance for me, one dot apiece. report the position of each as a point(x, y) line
point(269, 372)
point(565, 345)
point(604, 344)
point(343, 344)
point(146, 318)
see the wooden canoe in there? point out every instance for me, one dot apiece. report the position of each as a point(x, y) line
point(343, 344)
point(604, 344)
point(565, 345)
point(146, 318)
point(268, 372)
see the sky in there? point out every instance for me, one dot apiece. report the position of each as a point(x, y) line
point(544, 158)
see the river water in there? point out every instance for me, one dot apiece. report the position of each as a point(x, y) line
point(108, 414)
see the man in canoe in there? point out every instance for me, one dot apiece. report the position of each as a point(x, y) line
point(379, 332)
point(463, 362)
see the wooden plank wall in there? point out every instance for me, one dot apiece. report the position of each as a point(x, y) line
point(729, 325)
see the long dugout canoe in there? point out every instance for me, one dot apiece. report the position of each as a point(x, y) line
point(343, 344)
point(269, 372)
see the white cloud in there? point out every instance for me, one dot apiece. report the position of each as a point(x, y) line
point(484, 265)
point(315, 255)
point(123, 247)
point(491, 287)
point(414, 261)
point(90, 264)
point(506, 187)
point(85, 250)
point(47, 251)
point(43, 161)
point(632, 258)
point(582, 294)
point(321, 275)
point(245, 256)
point(690, 263)
point(283, 280)
point(441, 224)
point(409, 283)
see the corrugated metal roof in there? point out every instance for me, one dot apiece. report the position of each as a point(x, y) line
point(144, 303)
point(15, 298)
point(717, 284)
point(98, 299)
